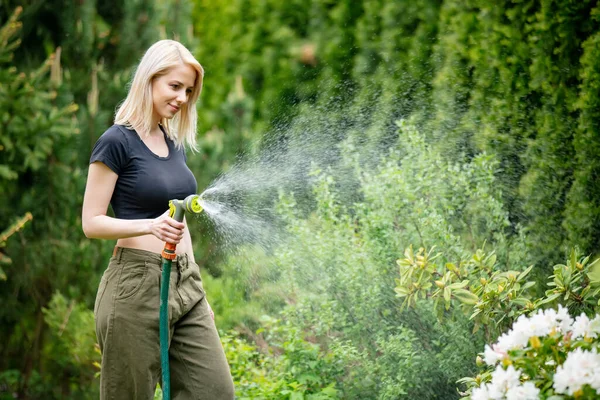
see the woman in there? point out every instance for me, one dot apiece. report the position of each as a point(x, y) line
point(137, 166)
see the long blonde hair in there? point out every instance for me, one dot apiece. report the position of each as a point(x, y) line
point(136, 110)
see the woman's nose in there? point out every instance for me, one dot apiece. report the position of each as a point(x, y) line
point(182, 97)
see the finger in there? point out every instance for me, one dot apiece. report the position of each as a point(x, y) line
point(171, 229)
point(175, 224)
point(172, 235)
point(171, 240)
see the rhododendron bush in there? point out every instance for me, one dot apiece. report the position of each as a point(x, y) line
point(548, 355)
point(539, 347)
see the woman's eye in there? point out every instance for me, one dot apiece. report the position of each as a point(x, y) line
point(174, 86)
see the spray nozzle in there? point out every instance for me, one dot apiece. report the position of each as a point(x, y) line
point(177, 208)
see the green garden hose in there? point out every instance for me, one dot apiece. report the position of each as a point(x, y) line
point(177, 209)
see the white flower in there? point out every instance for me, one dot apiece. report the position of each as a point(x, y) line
point(579, 369)
point(480, 393)
point(594, 327)
point(542, 323)
point(495, 392)
point(512, 340)
point(581, 326)
point(527, 391)
point(565, 319)
point(504, 379)
point(523, 329)
point(491, 356)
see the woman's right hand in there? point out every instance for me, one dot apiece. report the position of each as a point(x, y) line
point(167, 229)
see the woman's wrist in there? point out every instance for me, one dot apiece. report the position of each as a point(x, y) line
point(147, 230)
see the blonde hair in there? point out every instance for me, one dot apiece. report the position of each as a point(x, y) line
point(136, 110)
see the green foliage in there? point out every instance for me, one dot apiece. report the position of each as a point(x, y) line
point(337, 269)
point(11, 230)
point(288, 365)
point(72, 345)
point(486, 293)
point(339, 280)
point(72, 325)
point(492, 297)
point(575, 284)
point(580, 221)
point(28, 105)
point(497, 92)
point(246, 290)
point(69, 348)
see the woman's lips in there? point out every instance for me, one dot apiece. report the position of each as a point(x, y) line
point(174, 108)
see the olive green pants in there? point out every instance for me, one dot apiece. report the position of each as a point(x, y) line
point(127, 314)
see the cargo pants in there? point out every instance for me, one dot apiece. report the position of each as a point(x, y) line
point(127, 314)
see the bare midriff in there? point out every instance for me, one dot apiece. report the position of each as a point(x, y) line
point(152, 243)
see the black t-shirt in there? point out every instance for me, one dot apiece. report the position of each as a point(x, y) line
point(146, 181)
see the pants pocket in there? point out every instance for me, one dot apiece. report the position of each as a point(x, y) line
point(131, 278)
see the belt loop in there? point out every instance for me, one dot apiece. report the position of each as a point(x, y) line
point(119, 254)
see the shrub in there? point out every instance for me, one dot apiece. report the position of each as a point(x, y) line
point(548, 355)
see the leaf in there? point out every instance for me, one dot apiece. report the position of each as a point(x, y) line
point(594, 274)
point(459, 285)
point(527, 285)
point(447, 294)
point(7, 173)
point(522, 301)
point(451, 267)
point(466, 297)
point(4, 259)
point(525, 273)
point(297, 396)
point(2, 275)
point(491, 261)
point(467, 380)
point(550, 298)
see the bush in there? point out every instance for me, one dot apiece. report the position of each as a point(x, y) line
point(547, 355)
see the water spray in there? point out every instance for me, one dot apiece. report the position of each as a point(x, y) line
point(177, 209)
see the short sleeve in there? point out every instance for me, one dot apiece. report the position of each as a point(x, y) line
point(111, 149)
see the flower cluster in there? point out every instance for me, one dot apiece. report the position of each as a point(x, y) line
point(506, 384)
point(526, 329)
point(580, 368)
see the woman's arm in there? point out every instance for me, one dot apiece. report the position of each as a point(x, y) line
point(96, 224)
